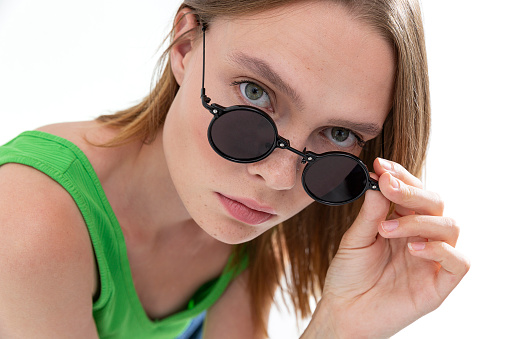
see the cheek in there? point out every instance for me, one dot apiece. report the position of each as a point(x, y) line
point(186, 129)
point(194, 166)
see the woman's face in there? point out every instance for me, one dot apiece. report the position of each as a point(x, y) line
point(325, 79)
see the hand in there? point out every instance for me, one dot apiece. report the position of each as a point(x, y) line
point(388, 273)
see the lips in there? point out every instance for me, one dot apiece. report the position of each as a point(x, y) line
point(246, 210)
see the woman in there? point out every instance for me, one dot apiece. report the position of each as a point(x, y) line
point(131, 226)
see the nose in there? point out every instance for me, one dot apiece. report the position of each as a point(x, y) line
point(279, 170)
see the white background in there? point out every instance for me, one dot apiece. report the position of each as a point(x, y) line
point(73, 60)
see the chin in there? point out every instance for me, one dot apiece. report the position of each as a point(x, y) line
point(235, 234)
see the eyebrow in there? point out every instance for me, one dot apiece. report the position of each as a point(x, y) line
point(366, 128)
point(263, 69)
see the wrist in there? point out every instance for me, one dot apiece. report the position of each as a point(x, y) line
point(323, 323)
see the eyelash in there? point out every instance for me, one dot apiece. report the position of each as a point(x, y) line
point(360, 141)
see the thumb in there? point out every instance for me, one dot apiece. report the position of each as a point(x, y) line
point(364, 229)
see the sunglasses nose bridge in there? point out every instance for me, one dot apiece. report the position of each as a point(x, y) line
point(285, 144)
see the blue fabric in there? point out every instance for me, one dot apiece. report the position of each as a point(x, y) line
point(195, 328)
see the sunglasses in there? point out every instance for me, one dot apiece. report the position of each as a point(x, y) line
point(245, 134)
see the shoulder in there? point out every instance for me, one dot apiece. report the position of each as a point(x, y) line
point(84, 134)
point(88, 136)
point(44, 247)
point(35, 212)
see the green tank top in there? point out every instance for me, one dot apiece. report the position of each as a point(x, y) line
point(117, 310)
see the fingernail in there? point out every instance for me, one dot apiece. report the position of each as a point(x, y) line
point(394, 183)
point(416, 246)
point(390, 225)
point(385, 164)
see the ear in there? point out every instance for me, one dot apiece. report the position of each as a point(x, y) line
point(179, 52)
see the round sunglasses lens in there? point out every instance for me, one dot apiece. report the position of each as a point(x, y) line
point(243, 135)
point(335, 179)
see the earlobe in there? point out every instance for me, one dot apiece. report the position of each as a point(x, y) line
point(184, 37)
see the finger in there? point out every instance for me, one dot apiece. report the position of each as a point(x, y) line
point(382, 166)
point(410, 197)
point(454, 265)
point(423, 226)
point(400, 211)
point(364, 229)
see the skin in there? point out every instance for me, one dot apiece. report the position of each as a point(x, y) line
point(376, 284)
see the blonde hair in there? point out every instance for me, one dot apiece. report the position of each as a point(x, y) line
point(301, 248)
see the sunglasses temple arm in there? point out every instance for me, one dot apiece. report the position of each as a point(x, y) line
point(204, 98)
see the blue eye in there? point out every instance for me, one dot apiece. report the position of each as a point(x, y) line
point(255, 94)
point(342, 137)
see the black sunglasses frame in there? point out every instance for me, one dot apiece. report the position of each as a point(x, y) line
point(308, 158)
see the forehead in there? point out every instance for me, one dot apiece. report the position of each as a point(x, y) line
point(317, 47)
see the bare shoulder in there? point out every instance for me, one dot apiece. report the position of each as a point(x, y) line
point(48, 270)
point(79, 132)
point(38, 207)
point(82, 133)
point(232, 313)
point(87, 135)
